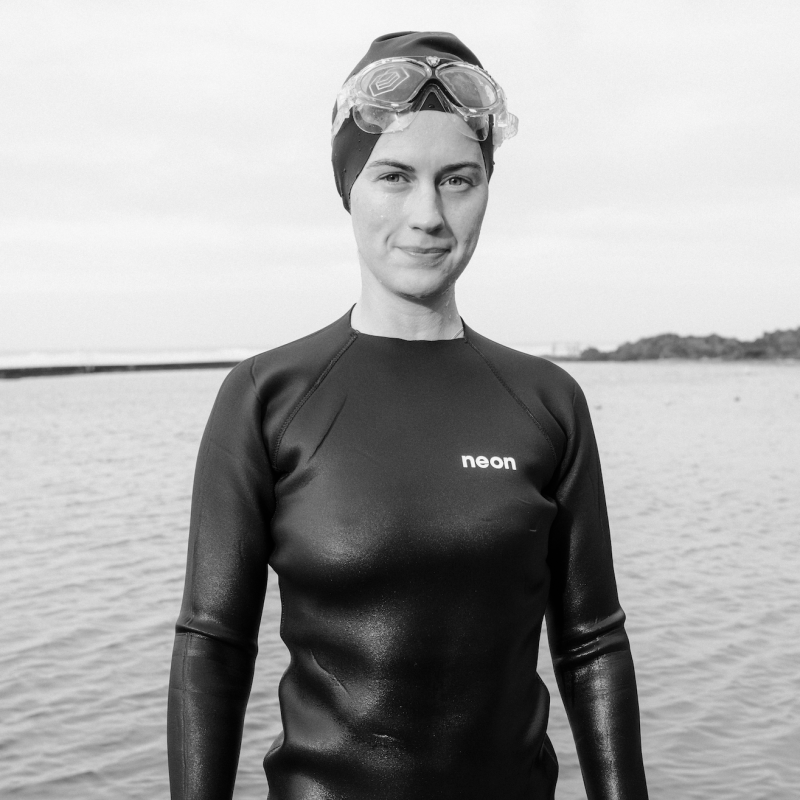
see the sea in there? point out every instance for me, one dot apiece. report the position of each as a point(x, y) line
point(702, 470)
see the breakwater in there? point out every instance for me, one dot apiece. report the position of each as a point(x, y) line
point(83, 369)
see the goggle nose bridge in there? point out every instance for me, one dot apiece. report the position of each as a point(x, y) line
point(433, 86)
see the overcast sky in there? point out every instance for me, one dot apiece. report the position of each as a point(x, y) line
point(165, 176)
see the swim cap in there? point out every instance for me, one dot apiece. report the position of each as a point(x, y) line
point(352, 146)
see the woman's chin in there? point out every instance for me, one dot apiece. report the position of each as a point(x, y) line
point(420, 282)
point(421, 287)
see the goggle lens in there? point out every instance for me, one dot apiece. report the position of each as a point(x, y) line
point(374, 119)
point(394, 83)
point(470, 88)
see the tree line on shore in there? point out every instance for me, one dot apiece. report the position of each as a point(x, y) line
point(775, 345)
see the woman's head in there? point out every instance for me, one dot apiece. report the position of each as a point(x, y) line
point(417, 207)
point(412, 156)
point(402, 73)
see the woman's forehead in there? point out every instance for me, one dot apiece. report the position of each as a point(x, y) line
point(432, 140)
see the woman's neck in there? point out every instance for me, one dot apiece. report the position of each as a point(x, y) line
point(385, 314)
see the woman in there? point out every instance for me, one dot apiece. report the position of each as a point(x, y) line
point(423, 494)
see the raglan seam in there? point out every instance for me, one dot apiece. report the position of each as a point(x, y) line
point(574, 428)
point(570, 433)
point(260, 412)
point(518, 400)
point(317, 383)
point(200, 515)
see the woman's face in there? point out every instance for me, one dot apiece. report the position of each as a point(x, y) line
point(418, 205)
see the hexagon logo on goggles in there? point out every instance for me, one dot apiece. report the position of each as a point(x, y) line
point(387, 80)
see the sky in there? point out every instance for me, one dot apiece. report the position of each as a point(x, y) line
point(165, 178)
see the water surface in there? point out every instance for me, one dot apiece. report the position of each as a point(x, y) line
point(701, 464)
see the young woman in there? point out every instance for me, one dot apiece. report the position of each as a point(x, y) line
point(424, 495)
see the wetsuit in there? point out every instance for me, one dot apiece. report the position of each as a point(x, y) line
point(422, 503)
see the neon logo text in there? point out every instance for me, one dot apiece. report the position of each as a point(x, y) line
point(498, 462)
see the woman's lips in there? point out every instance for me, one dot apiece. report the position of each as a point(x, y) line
point(425, 251)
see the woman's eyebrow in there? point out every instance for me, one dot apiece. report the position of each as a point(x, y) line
point(388, 162)
point(460, 165)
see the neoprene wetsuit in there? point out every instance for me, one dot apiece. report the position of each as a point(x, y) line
point(422, 503)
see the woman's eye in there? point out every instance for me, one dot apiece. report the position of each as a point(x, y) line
point(393, 177)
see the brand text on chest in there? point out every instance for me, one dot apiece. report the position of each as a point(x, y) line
point(498, 462)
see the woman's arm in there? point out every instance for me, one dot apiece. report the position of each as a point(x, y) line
point(585, 624)
point(226, 577)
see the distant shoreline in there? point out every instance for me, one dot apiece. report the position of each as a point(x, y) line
point(775, 346)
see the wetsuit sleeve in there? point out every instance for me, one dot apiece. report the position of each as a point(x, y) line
point(585, 624)
point(226, 577)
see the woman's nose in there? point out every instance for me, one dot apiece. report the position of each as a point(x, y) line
point(425, 209)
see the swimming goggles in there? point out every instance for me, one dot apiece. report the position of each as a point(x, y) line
point(386, 96)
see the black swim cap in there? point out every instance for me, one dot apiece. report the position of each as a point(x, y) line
point(352, 146)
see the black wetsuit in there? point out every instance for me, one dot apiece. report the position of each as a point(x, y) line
point(422, 503)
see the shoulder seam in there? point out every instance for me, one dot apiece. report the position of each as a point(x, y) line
point(570, 432)
point(574, 415)
point(260, 411)
point(518, 400)
point(324, 374)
